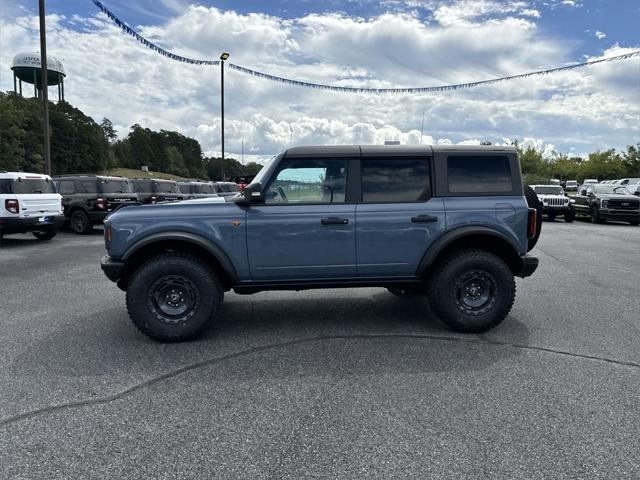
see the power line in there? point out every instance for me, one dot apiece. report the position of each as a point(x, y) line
point(333, 88)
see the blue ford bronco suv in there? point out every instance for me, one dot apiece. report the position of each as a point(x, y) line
point(448, 222)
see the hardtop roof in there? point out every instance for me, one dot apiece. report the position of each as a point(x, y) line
point(393, 150)
point(16, 175)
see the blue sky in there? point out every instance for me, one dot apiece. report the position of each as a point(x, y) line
point(374, 43)
point(575, 21)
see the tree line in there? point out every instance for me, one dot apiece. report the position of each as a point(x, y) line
point(81, 145)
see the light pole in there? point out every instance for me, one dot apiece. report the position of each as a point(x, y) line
point(44, 88)
point(223, 57)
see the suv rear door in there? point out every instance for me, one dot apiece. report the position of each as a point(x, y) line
point(398, 219)
point(37, 196)
point(305, 229)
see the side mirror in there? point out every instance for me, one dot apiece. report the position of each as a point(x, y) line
point(252, 193)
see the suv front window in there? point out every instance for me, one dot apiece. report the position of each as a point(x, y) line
point(395, 180)
point(142, 186)
point(548, 190)
point(309, 181)
point(167, 187)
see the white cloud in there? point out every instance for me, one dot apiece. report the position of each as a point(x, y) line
point(111, 75)
point(600, 35)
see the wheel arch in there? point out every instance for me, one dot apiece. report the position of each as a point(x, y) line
point(153, 245)
point(484, 238)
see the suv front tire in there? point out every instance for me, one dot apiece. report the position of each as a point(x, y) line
point(472, 291)
point(173, 297)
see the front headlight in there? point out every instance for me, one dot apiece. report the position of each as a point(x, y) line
point(604, 203)
point(572, 200)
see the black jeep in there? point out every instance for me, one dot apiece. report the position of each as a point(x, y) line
point(88, 199)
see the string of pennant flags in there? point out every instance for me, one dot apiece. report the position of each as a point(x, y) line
point(334, 88)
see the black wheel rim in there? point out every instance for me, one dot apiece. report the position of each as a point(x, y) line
point(173, 299)
point(476, 292)
point(78, 223)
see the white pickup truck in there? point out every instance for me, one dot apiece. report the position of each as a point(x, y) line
point(29, 202)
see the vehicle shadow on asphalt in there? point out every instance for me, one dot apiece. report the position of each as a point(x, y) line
point(265, 322)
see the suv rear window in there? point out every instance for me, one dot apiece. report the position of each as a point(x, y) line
point(142, 186)
point(204, 188)
point(167, 187)
point(116, 186)
point(395, 180)
point(27, 185)
point(479, 174)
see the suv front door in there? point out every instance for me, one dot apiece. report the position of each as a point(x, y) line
point(305, 229)
point(397, 220)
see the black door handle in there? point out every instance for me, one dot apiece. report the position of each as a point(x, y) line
point(334, 221)
point(424, 219)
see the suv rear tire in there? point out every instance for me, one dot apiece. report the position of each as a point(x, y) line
point(472, 291)
point(173, 297)
point(80, 222)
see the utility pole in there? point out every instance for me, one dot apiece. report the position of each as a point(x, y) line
point(223, 57)
point(44, 87)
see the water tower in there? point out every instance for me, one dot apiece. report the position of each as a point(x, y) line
point(26, 68)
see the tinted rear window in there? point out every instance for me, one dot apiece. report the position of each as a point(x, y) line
point(167, 187)
point(479, 174)
point(395, 180)
point(27, 185)
point(184, 187)
point(86, 186)
point(116, 186)
point(142, 186)
point(204, 188)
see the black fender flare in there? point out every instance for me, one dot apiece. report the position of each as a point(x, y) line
point(445, 240)
point(211, 247)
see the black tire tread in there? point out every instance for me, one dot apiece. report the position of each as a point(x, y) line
point(437, 291)
point(217, 287)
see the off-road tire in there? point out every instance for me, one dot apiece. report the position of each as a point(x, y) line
point(570, 215)
point(193, 279)
point(533, 202)
point(80, 222)
point(46, 234)
point(445, 292)
point(594, 215)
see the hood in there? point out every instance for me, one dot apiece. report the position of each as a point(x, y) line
point(615, 196)
point(200, 207)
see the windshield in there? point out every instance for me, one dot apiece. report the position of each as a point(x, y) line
point(167, 187)
point(609, 189)
point(116, 186)
point(28, 185)
point(263, 171)
point(550, 190)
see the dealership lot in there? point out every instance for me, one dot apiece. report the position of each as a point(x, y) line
point(328, 383)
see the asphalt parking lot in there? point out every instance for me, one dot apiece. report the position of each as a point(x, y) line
point(324, 384)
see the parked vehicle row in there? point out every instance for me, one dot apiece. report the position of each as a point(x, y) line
point(598, 201)
point(41, 204)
